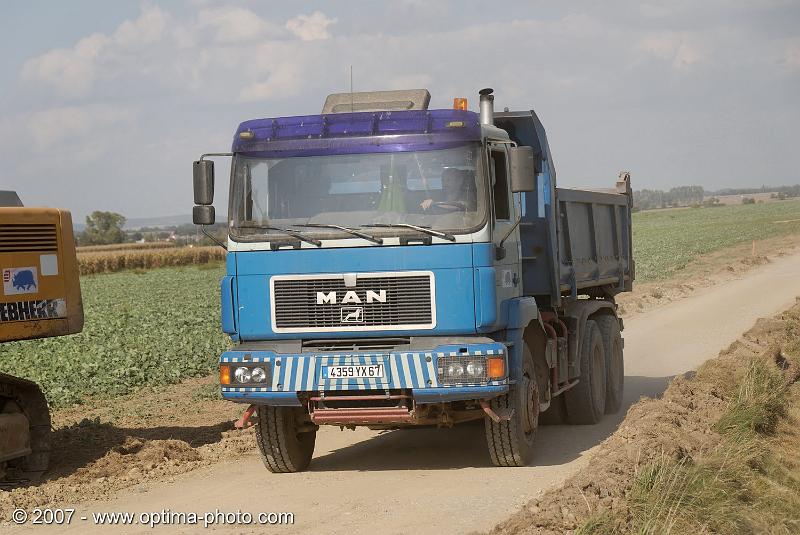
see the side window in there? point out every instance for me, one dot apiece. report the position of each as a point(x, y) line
point(497, 161)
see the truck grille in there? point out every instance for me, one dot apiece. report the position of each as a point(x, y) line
point(376, 302)
point(28, 238)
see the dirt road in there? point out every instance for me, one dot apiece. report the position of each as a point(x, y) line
point(429, 481)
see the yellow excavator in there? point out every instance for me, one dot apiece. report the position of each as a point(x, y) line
point(41, 297)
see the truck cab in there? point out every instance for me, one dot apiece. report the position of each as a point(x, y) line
point(394, 266)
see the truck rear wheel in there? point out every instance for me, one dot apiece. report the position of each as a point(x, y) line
point(615, 364)
point(511, 441)
point(285, 438)
point(586, 401)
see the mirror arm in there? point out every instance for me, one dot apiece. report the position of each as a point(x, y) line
point(499, 247)
point(212, 237)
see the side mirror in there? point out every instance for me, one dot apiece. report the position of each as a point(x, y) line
point(203, 215)
point(203, 174)
point(522, 169)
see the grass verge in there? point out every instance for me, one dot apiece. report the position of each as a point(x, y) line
point(748, 483)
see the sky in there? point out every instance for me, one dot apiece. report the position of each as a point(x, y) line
point(105, 105)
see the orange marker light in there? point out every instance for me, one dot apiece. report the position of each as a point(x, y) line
point(224, 375)
point(460, 103)
point(496, 368)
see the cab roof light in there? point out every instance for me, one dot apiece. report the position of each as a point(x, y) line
point(460, 103)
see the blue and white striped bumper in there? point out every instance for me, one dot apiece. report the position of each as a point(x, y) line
point(419, 371)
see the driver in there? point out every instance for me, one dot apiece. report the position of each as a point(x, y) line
point(459, 191)
point(393, 188)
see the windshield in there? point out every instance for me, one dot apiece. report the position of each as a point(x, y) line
point(440, 190)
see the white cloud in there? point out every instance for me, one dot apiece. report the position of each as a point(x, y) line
point(791, 56)
point(72, 125)
point(234, 25)
point(679, 48)
point(71, 71)
point(148, 28)
point(310, 27)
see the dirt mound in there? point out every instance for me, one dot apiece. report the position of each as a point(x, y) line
point(678, 426)
point(136, 456)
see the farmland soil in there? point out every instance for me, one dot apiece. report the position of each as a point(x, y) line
point(709, 270)
point(134, 453)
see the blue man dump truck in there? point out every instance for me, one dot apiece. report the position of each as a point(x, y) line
point(391, 266)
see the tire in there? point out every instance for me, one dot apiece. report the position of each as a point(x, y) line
point(615, 362)
point(586, 401)
point(284, 448)
point(510, 441)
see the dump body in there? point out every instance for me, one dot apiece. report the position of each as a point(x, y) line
point(572, 239)
point(414, 267)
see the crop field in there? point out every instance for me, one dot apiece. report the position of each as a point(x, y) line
point(112, 260)
point(666, 241)
point(160, 326)
point(126, 246)
point(149, 328)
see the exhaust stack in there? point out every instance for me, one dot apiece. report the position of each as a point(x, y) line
point(487, 106)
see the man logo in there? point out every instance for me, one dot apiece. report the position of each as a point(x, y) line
point(351, 297)
point(352, 314)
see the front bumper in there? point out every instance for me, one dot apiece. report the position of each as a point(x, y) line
point(291, 376)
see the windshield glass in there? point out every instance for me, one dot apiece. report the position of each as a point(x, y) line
point(441, 190)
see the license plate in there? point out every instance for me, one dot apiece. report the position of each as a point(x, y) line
point(367, 371)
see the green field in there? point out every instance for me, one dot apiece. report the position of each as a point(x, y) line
point(142, 328)
point(666, 241)
point(162, 326)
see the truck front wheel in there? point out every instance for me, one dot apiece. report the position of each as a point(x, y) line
point(510, 440)
point(586, 401)
point(285, 438)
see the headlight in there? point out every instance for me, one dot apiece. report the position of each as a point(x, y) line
point(455, 370)
point(475, 368)
point(465, 369)
point(258, 375)
point(242, 375)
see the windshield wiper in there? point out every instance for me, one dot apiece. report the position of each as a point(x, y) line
point(289, 232)
point(430, 232)
point(350, 231)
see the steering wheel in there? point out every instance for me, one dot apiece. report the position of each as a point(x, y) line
point(451, 206)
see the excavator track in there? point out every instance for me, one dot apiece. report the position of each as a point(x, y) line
point(22, 402)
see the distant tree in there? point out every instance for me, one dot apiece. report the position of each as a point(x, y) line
point(679, 196)
point(748, 200)
point(103, 228)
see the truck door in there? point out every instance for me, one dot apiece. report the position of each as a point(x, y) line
point(508, 279)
